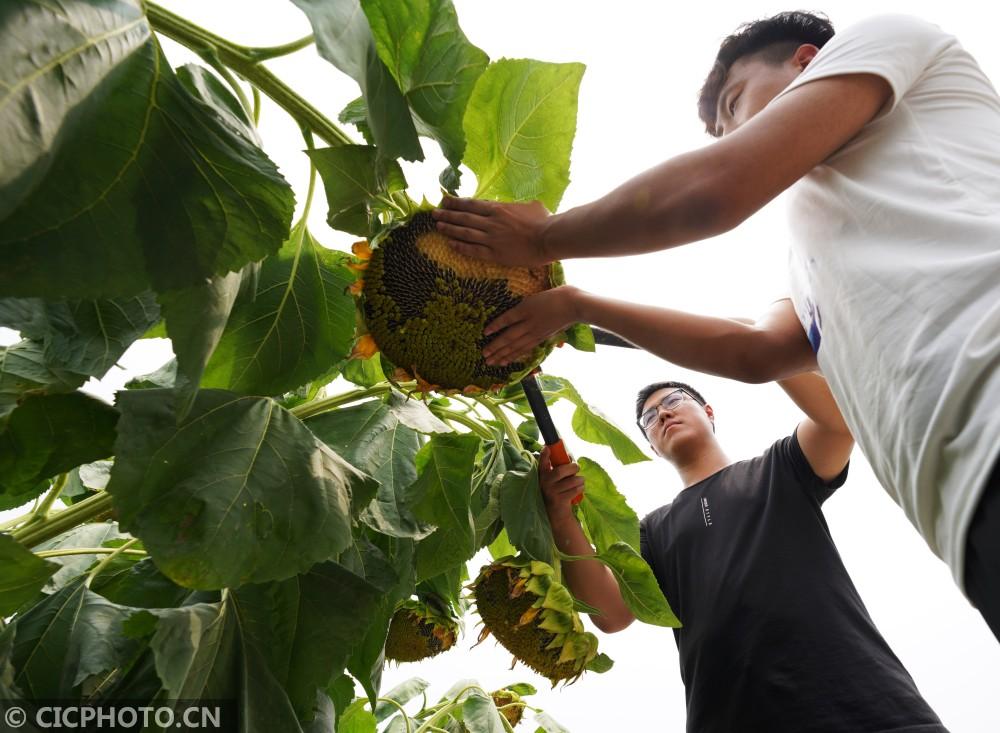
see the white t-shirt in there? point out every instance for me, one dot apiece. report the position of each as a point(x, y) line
point(895, 272)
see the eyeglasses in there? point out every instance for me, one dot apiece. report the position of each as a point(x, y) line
point(670, 402)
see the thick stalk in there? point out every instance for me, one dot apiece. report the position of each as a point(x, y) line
point(42, 510)
point(474, 425)
point(87, 551)
point(310, 409)
point(92, 508)
point(502, 418)
point(243, 61)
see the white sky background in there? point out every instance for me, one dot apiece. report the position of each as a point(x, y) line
point(645, 63)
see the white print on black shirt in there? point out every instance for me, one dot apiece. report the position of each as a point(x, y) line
point(706, 513)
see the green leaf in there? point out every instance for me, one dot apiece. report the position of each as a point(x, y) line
point(195, 318)
point(523, 513)
point(341, 692)
point(344, 38)
point(519, 124)
point(442, 495)
point(402, 694)
point(306, 626)
point(601, 663)
point(432, 61)
point(607, 515)
point(66, 638)
point(356, 113)
point(84, 337)
point(22, 574)
point(546, 724)
point(364, 372)
point(522, 689)
point(589, 424)
point(203, 651)
point(50, 434)
point(299, 321)
point(210, 89)
point(93, 534)
point(24, 371)
point(501, 546)
point(84, 481)
point(581, 337)
point(415, 414)
point(240, 491)
point(163, 194)
point(370, 437)
point(480, 714)
point(638, 585)
point(140, 585)
point(356, 719)
point(356, 176)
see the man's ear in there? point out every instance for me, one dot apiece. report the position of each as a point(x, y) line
point(804, 54)
point(711, 416)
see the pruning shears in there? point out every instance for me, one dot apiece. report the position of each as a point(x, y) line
point(540, 410)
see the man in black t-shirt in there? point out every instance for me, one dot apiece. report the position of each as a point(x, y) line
point(775, 636)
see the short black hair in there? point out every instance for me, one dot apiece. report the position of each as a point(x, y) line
point(649, 389)
point(774, 39)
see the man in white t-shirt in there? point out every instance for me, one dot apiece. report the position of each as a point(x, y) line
point(888, 135)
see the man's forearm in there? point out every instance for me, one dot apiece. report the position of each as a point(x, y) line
point(676, 202)
point(719, 346)
point(589, 580)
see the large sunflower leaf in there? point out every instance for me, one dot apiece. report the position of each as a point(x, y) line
point(92, 534)
point(432, 61)
point(22, 574)
point(371, 437)
point(121, 179)
point(344, 38)
point(299, 321)
point(240, 491)
point(50, 434)
point(519, 127)
point(442, 496)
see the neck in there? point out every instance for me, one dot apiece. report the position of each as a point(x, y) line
point(700, 465)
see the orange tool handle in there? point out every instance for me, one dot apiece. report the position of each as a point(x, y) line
point(559, 457)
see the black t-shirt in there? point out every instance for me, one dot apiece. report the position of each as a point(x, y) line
point(775, 636)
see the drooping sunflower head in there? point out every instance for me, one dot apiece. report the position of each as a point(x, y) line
point(425, 307)
point(417, 632)
point(532, 616)
point(509, 704)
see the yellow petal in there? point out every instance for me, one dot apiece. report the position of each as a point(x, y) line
point(362, 249)
point(365, 348)
point(357, 287)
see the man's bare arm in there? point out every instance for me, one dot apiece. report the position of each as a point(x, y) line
point(588, 580)
point(690, 197)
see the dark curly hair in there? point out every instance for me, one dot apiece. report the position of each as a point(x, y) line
point(772, 40)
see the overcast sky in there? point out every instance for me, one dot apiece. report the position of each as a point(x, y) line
point(645, 62)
